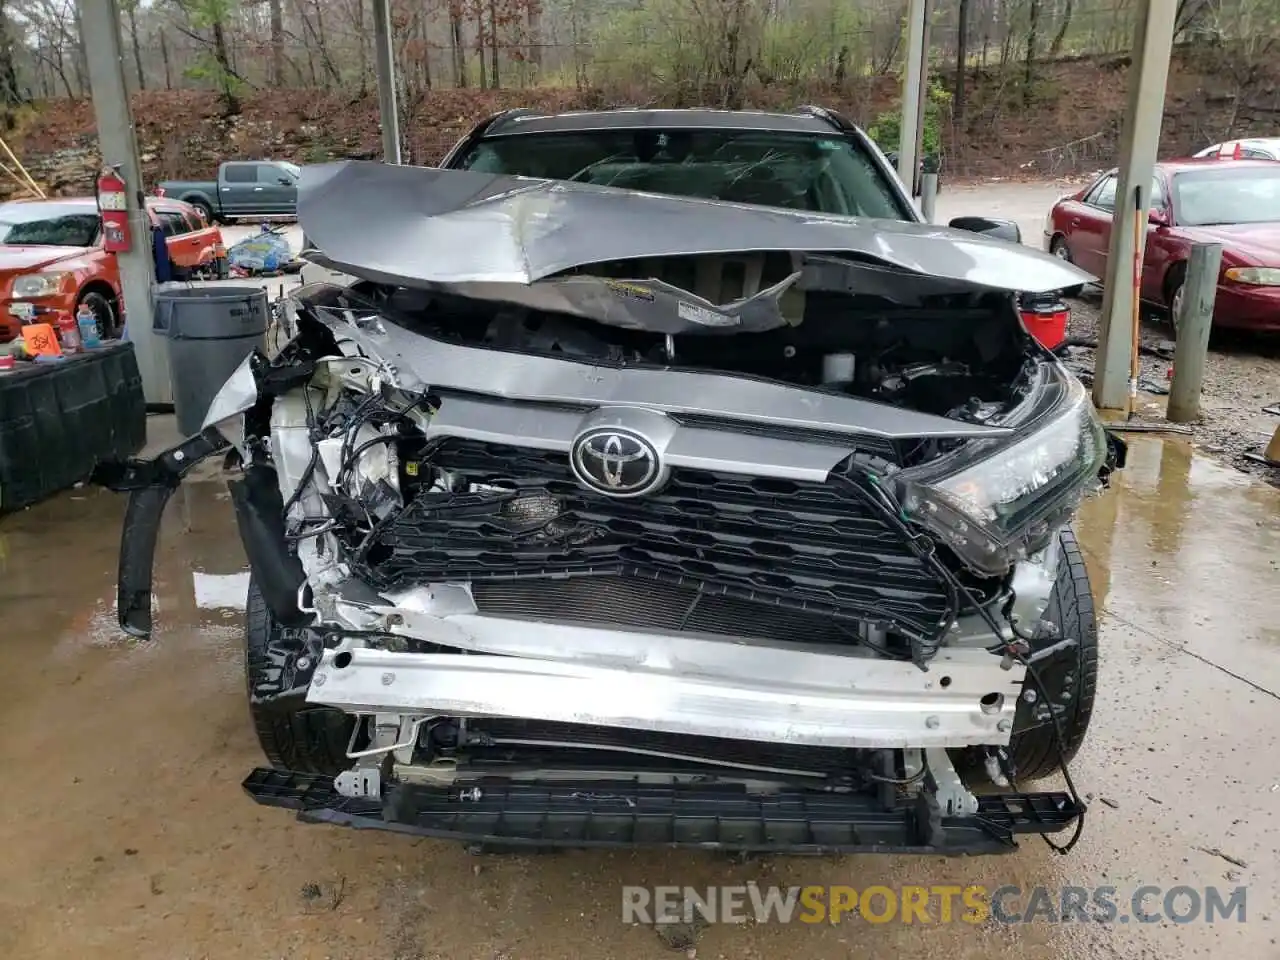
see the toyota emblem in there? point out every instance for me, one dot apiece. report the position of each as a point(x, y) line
point(616, 461)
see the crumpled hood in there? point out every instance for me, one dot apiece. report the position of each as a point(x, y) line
point(418, 226)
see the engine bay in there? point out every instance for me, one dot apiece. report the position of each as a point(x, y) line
point(962, 356)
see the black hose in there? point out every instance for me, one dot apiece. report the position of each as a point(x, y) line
point(359, 417)
point(355, 454)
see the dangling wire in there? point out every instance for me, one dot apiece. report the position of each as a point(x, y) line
point(892, 510)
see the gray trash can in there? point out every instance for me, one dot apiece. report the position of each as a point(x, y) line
point(209, 331)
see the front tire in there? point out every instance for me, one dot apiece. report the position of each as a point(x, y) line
point(1175, 282)
point(1058, 247)
point(293, 734)
point(1070, 678)
point(206, 211)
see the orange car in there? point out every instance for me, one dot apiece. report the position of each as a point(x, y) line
point(52, 261)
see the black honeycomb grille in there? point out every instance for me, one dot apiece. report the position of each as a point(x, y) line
point(807, 546)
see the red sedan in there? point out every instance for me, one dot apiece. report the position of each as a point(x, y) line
point(1232, 202)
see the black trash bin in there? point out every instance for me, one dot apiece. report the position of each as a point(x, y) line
point(210, 330)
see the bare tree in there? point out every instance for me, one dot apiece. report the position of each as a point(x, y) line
point(277, 42)
point(1064, 24)
point(164, 56)
point(131, 12)
point(215, 64)
point(962, 56)
point(495, 82)
point(1033, 27)
point(457, 45)
point(10, 95)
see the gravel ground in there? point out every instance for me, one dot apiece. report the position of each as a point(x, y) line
point(1242, 376)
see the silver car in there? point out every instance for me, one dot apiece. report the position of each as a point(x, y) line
point(593, 516)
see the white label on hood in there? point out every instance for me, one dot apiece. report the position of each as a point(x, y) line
point(708, 318)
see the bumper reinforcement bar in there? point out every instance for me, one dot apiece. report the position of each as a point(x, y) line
point(585, 813)
point(685, 685)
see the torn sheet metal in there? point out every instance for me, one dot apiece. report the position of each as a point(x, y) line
point(416, 226)
point(651, 305)
point(419, 361)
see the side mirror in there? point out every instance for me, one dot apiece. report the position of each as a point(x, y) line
point(286, 181)
point(1159, 216)
point(996, 229)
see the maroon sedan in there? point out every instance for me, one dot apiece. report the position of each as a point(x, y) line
point(1233, 202)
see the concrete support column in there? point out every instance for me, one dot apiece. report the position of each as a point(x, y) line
point(912, 92)
point(929, 197)
point(384, 54)
point(119, 145)
point(923, 98)
point(1140, 141)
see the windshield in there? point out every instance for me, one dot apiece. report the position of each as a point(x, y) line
point(1222, 195)
point(49, 225)
point(292, 169)
point(797, 171)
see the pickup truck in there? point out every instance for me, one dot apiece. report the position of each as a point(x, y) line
point(244, 188)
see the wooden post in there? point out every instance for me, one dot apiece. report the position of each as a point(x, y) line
point(1192, 349)
point(928, 196)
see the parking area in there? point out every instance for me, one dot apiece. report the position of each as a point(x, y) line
point(127, 832)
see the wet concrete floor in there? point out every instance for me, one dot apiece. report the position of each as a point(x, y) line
point(123, 830)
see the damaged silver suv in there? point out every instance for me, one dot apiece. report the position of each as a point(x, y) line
point(592, 516)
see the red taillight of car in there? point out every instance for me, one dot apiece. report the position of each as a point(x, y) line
point(1047, 322)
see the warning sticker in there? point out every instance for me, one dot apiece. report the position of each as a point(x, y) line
point(633, 290)
point(701, 315)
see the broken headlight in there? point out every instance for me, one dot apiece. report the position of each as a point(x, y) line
point(995, 502)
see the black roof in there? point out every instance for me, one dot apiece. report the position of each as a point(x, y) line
point(805, 120)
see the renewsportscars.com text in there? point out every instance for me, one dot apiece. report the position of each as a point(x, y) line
point(933, 904)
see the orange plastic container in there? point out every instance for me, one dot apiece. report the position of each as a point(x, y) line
point(1047, 323)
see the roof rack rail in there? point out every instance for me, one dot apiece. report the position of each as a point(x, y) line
point(485, 126)
point(493, 123)
point(837, 120)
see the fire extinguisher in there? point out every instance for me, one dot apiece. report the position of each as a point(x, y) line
point(113, 205)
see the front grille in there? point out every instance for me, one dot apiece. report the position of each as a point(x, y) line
point(795, 545)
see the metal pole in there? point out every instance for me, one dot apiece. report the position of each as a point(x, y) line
point(1153, 42)
point(386, 66)
point(1192, 349)
point(912, 80)
point(929, 196)
point(118, 143)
